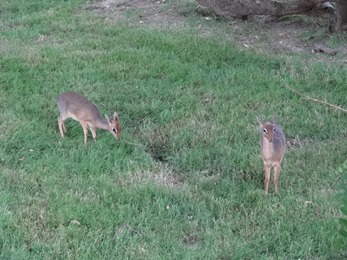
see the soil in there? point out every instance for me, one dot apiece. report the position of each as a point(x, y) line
point(292, 34)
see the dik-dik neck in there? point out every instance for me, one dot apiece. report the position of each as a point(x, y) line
point(101, 123)
point(267, 147)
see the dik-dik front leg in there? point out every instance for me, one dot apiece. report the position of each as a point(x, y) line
point(61, 126)
point(267, 169)
point(85, 132)
point(92, 129)
point(277, 169)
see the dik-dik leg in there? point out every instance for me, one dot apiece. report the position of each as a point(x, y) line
point(277, 169)
point(85, 131)
point(267, 177)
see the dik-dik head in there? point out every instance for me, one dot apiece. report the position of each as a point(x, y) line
point(113, 125)
point(268, 128)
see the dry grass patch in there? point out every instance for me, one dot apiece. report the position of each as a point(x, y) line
point(162, 176)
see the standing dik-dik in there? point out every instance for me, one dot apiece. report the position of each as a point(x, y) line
point(272, 147)
point(73, 105)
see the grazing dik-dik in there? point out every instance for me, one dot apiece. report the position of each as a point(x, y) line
point(272, 147)
point(73, 105)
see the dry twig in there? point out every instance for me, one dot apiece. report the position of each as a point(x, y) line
point(314, 99)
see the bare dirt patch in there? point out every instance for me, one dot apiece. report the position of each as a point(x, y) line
point(154, 13)
point(292, 34)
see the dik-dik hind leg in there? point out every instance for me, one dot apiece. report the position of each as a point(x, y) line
point(277, 169)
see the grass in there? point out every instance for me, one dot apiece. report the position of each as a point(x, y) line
point(185, 181)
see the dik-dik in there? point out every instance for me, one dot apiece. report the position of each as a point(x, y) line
point(272, 147)
point(75, 106)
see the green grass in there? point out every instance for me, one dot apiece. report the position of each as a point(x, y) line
point(185, 181)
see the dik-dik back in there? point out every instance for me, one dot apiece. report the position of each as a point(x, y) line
point(272, 148)
point(77, 107)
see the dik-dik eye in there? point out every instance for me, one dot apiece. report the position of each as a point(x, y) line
point(114, 130)
point(274, 129)
point(265, 131)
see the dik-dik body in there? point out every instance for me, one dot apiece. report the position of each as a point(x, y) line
point(272, 147)
point(75, 106)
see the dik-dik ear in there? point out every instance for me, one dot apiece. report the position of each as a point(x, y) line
point(260, 121)
point(108, 120)
point(115, 116)
point(273, 120)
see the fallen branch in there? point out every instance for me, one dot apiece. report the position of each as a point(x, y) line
point(314, 99)
point(323, 49)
